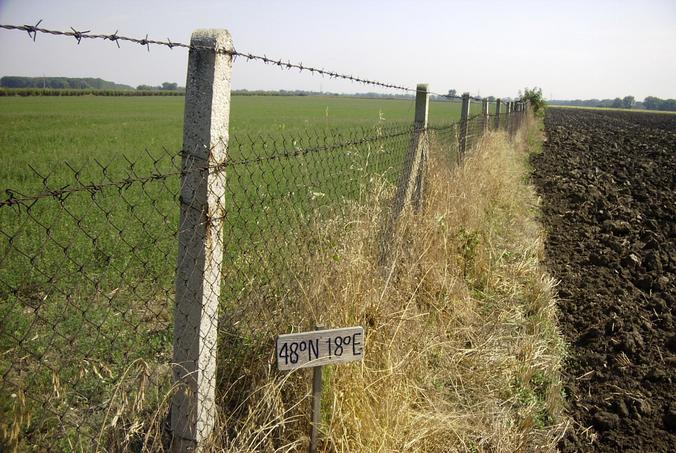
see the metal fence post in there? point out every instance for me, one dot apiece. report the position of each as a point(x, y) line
point(484, 112)
point(464, 124)
point(200, 240)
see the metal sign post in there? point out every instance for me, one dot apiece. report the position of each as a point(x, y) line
point(316, 402)
point(314, 350)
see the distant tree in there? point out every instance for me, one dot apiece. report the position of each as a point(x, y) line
point(491, 98)
point(534, 97)
point(628, 102)
point(169, 86)
point(60, 83)
point(668, 105)
point(15, 82)
point(617, 103)
point(452, 93)
point(652, 103)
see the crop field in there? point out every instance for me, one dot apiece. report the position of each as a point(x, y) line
point(607, 179)
point(43, 131)
point(613, 109)
point(86, 285)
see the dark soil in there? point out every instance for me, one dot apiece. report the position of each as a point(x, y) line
point(607, 180)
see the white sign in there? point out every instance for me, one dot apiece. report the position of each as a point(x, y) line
point(321, 347)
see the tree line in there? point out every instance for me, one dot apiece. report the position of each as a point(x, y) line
point(83, 92)
point(628, 102)
point(60, 83)
point(78, 83)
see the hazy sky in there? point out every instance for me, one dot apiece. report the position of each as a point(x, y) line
point(572, 49)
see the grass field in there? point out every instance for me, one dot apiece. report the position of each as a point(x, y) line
point(44, 131)
point(86, 285)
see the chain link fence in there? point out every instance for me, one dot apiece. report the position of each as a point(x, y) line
point(89, 283)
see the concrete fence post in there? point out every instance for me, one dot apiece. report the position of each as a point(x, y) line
point(484, 113)
point(411, 182)
point(517, 108)
point(422, 107)
point(464, 124)
point(498, 105)
point(200, 238)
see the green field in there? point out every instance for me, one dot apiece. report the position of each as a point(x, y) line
point(45, 131)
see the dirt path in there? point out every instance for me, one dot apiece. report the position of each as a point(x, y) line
point(608, 186)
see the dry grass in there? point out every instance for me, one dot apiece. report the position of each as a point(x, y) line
point(462, 349)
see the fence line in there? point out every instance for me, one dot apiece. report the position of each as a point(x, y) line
point(100, 277)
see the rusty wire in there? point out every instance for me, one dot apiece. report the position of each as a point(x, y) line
point(33, 30)
point(79, 35)
point(14, 197)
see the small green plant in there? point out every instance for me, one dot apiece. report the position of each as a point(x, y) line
point(534, 96)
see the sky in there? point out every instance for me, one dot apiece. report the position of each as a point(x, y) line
point(571, 49)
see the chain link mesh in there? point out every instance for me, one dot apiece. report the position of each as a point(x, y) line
point(89, 265)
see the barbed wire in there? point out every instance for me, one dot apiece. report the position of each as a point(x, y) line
point(79, 35)
point(14, 197)
point(33, 30)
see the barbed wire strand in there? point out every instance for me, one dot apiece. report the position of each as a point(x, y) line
point(79, 35)
point(33, 30)
point(14, 197)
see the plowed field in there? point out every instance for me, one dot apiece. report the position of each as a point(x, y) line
point(607, 181)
